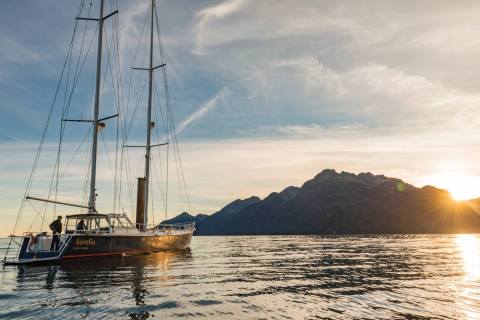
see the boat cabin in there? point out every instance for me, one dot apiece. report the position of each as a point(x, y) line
point(97, 223)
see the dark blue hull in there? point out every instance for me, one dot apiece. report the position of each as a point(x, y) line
point(90, 245)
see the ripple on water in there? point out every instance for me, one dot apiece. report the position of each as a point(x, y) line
point(269, 277)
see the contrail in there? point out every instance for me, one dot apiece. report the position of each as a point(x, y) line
point(203, 109)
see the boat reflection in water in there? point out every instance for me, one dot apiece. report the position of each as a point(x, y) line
point(121, 284)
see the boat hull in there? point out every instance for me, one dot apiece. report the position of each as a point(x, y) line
point(91, 245)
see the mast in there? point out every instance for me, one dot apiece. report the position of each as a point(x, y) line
point(149, 121)
point(96, 108)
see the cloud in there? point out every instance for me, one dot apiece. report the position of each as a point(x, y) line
point(203, 109)
point(219, 11)
point(389, 95)
point(130, 25)
point(15, 52)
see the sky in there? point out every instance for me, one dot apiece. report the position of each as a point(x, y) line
point(268, 93)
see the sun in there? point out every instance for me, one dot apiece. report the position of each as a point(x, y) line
point(461, 186)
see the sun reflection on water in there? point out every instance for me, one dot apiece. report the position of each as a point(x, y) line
point(469, 292)
point(469, 246)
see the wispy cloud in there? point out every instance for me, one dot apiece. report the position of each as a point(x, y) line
point(203, 109)
point(219, 11)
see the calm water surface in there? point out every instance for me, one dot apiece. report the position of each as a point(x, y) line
point(269, 277)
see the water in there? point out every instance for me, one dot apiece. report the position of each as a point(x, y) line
point(268, 277)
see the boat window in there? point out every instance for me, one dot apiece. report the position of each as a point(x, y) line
point(98, 224)
point(123, 222)
point(116, 222)
point(70, 225)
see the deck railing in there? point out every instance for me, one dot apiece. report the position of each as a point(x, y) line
point(170, 227)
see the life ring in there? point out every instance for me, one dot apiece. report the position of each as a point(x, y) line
point(33, 240)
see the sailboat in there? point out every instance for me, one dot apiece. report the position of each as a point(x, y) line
point(103, 234)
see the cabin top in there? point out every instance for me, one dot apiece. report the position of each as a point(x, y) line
point(86, 216)
point(95, 222)
point(94, 215)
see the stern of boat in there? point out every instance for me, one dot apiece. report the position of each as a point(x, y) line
point(34, 248)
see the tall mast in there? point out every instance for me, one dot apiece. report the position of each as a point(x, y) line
point(91, 201)
point(149, 120)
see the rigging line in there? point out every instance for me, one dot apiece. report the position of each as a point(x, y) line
point(178, 163)
point(42, 140)
point(79, 55)
point(107, 153)
point(104, 80)
point(119, 106)
point(60, 135)
point(115, 191)
point(167, 181)
point(162, 116)
point(125, 127)
point(167, 158)
point(57, 167)
point(175, 145)
point(76, 152)
point(63, 126)
point(159, 185)
point(87, 180)
point(63, 112)
point(116, 95)
point(177, 149)
point(156, 103)
point(169, 111)
point(110, 67)
point(66, 106)
point(109, 63)
point(81, 67)
point(153, 207)
point(134, 61)
point(104, 72)
point(104, 144)
point(136, 106)
point(126, 139)
point(175, 142)
point(38, 214)
point(88, 159)
point(77, 64)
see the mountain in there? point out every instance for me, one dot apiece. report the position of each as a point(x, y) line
point(186, 217)
point(345, 203)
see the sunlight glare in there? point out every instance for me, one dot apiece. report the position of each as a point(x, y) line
point(470, 249)
point(460, 186)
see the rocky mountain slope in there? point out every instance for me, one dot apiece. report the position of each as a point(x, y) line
point(343, 203)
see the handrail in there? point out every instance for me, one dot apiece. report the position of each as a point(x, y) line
point(177, 226)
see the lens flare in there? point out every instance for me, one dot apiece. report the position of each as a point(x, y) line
point(460, 185)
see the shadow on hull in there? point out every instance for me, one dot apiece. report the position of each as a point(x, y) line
point(78, 246)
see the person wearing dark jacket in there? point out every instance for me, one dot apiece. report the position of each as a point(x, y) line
point(56, 227)
point(81, 226)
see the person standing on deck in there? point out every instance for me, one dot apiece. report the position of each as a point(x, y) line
point(56, 227)
point(81, 226)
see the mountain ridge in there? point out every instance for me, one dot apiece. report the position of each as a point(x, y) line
point(343, 203)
